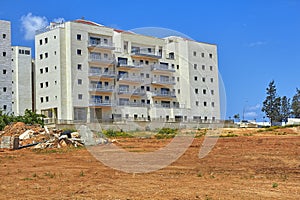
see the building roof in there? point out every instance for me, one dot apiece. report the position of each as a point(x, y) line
point(83, 21)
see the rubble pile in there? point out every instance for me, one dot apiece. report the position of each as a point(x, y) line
point(19, 135)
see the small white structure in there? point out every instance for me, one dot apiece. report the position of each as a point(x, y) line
point(293, 121)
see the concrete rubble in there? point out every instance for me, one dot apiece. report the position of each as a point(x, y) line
point(19, 135)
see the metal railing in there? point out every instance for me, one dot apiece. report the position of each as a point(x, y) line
point(145, 52)
point(105, 45)
point(100, 73)
point(99, 88)
point(162, 68)
point(163, 81)
point(100, 102)
point(130, 78)
point(164, 94)
point(101, 60)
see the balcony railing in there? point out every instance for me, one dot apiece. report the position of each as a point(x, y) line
point(146, 53)
point(130, 78)
point(99, 102)
point(164, 94)
point(126, 65)
point(158, 67)
point(165, 106)
point(98, 88)
point(132, 104)
point(132, 92)
point(163, 81)
point(101, 60)
point(109, 74)
point(103, 45)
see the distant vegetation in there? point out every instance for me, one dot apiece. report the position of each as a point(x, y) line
point(28, 118)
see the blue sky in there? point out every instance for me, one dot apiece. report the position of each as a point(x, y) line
point(258, 41)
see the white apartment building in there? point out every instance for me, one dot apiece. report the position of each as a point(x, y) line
point(22, 79)
point(89, 72)
point(5, 67)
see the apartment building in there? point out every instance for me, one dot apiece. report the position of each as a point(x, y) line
point(5, 67)
point(22, 79)
point(89, 72)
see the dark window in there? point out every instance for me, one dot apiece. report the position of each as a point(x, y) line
point(202, 54)
point(4, 54)
point(42, 99)
point(211, 68)
point(195, 53)
point(195, 78)
point(47, 98)
point(4, 36)
point(41, 56)
point(147, 76)
point(46, 55)
point(78, 37)
point(4, 89)
point(204, 91)
point(41, 71)
point(210, 55)
point(41, 42)
point(79, 81)
point(205, 103)
point(27, 52)
point(4, 71)
point(195, 66)
point(47, 84)
point(46, 40)
point(79, 96)
point(196, 91)
point(46, 69)
point(4, 107)
point(41, 85)
point(79, 67)
point(78, 51)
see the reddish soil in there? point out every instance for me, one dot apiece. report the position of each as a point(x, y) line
point(244, 167)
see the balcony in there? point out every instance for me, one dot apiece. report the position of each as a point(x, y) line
point(101, 45)
point(146, 53)
point(161, 81)
point(131, 104)
point(98, 60)
point(127, 78)
point(163, 94)
point(99, 88)
point(129, 66)
point(158, 67)
point(100, 74)
point(100, 102)
point(137, 92)
point(164, 105)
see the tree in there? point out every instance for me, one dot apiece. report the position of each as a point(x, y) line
point(296, 104)
point(272, 103)
point(236, 117)
point(285, 108)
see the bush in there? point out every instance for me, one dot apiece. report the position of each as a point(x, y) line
point(114, 134)
point(166, 133)
point(28, 118)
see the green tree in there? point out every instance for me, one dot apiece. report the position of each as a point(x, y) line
point(285, 108)
point(272, 104)
point(236, 117)
point(296, 104)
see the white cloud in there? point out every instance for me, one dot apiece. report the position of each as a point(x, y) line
point(251, 114)
point(31, 23)
point(255, 107)
point(256, 44)
point(59, 20)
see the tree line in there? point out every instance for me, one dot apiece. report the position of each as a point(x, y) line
point(279, 109)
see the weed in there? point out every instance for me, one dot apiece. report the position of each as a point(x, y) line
point(81, 173)
point(116, 134)
point(34, 175)
point(199, 174)
point(274, 185)
point(27, 179)
point(49, 174)
point(248, 134)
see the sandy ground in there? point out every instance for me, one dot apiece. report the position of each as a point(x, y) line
point(261, 165)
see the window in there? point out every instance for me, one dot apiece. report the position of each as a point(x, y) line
point(210, 68)
point(197, 103)
point(195, 66)
point(4, 89)
point(203, 67)
point(204, 91)
point(55, 67)
point(47, 99)
point(212, 104)
point(41, 71)
point(205, 103)
point(46, 55)
point(54, 36)
point(79, 66)
point(54, 52)
point(211, 80)
point(148, 88)
point(171, 56)
point(46, 40)
point(47, 84)
point(147, 76)
point(79, 81)
point(46, 69)
point(41, 41)
point(4, 107)
point(3, 36)
point(212, 92)
point(195, 53)
point(42, 99)
point(147, 62)
point(142, 75)
point(178, 91)
point(105, 41)
point(196, 78)
point(41, 56)
point(203, 79)
point(41, 85)
point(210, 55)
point(202, 55)
point(78, 37)
point(4, 71)
point(79, 52)
point(177, 79)
point(27, 52)
point(196, 91)
point(55, 82)
point(80, 96)
point(177, 66)
point(4, 54)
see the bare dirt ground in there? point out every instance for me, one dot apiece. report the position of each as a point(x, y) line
point(254, 165)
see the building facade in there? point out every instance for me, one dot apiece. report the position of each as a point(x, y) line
point(22, 79)
point(88, 72)
point(5, 67)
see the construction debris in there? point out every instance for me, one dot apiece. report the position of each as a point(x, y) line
point(19, 135)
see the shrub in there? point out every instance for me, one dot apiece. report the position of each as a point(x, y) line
point(114, 134)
